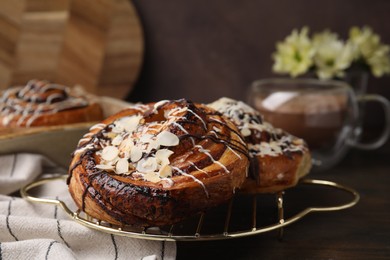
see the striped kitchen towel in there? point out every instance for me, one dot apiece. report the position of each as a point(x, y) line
point(40, 231)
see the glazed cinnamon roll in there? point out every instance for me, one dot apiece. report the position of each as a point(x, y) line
point(156, 164)
point(278, 159)
point(41, 103)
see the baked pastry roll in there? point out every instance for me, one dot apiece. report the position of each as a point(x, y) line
point(278, 159)
point(41, 103)
point(156, 164)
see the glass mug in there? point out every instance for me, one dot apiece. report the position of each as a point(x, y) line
point(324, 113)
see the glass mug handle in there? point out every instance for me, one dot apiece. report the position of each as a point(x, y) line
point(386, 131)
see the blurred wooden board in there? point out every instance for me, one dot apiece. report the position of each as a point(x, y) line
point(98, 44)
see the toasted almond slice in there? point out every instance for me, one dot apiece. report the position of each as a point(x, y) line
point(122, 166)
point(152, 177)
point(245, 131)
point(109, 153)
point(147, 165)
point(105, 167)
point(118, 127)
point(131, 123)
point(126, 144)
point(162, 156)
point(117, 140)
point(146, 138)
point(111, 135)
point(165, 171)
point(135, 154)
point(152, 145)
point(166, 138)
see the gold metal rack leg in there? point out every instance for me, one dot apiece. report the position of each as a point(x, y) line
point(279, 198)
point(228, 216)
point(254, 212)
point(200, 224)
point(170, 234)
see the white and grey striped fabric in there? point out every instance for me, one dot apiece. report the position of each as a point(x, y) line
point(40, 231)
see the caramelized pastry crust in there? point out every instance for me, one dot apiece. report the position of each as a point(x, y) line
point(156, 164)
point(41, 103)
point(278, 159)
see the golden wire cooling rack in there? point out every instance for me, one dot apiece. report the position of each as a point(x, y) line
point(239, 218)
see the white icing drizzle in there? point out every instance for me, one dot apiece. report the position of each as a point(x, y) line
point(52, 97)
point(198, 169)
point(84, 148)
point(239, 156)
point(202, 150)
point(194, 178)
point(97, 126)
point(196, 115)
point(140, 107)
point(180, 127)
point(159, 104)
point(47, 86)
point(212, 119)
point(185, 131)
point(85, 138)
point(217, 136)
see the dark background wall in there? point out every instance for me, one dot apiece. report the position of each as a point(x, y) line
point(202, 50)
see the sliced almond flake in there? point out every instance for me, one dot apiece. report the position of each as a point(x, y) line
point(146, 138)
point(151, 145)
point(118, 127)
point(105, 167)
point(162, 156)
point(166, 138)
point(165, 171)
point(117, 140)
point(245, 131)
point(122, 166)
point(131, 123)
point(109, 153)
point(135, 154)
point(298, 141)
point(275, 147)
point(111, 135)
point(126, 145)
point(152, 177)
point(147, 165)
point(125, 154)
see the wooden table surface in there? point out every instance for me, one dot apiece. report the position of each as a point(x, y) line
point(360, 232)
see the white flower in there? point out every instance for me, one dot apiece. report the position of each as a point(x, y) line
point(329, 56)
point(295, 54)
point(380, 62)
point(370, 48)
point(332, 57)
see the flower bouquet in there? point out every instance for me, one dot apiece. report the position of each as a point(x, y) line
point(328, 56)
